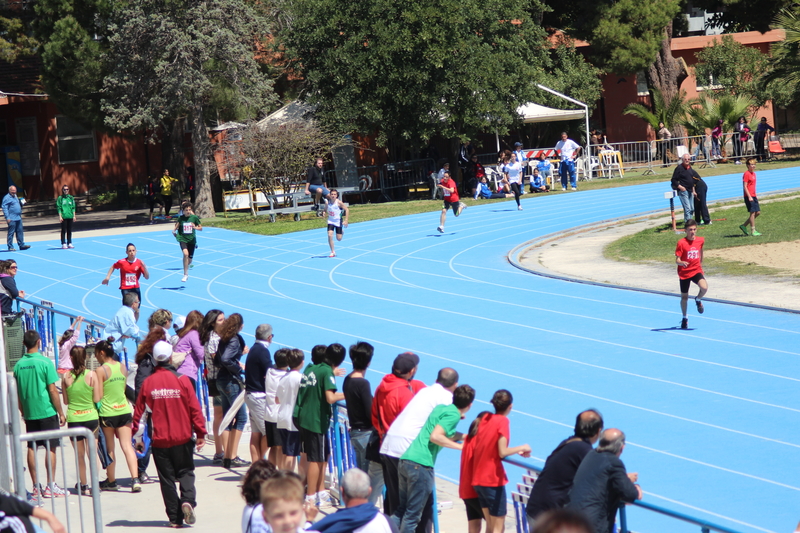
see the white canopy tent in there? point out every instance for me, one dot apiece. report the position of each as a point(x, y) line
point(532, 113)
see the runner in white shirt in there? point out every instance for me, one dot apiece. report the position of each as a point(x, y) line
point(513, 172)
point(336, 222)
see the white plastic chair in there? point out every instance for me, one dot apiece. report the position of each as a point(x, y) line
point(610, 163)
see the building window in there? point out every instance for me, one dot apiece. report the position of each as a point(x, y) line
point(76, 144)
point(708, 84)
point(641, 84)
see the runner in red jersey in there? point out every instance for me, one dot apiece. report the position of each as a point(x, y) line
point(689, 258)
point(130, 269)
point(451, 199)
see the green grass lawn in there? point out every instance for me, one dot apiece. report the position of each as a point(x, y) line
point(779, 222)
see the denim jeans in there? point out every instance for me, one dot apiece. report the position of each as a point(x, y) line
point(229, 390)
point(359, 438)
point(687, 201)
point(416, 488)
point(15, 226)
point(313, 190)
point(567, 169)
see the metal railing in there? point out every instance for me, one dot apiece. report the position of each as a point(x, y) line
point(520, 499)
point(18, 449)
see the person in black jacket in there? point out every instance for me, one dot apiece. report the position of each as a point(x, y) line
point(684, 179)
point(230, 384)
point(551, 490)
point(602, 483)
point(259, 360)
point(15, 516)
point(8, 286)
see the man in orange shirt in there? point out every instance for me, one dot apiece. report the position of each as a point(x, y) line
point(689, 258)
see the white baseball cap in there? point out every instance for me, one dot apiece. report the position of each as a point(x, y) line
point(162, 351)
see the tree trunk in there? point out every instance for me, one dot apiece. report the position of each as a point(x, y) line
point(204, 204)
point(667, 73)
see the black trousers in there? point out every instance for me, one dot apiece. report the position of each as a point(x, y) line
point(66, 231)
point(700, 205)
point(176, 464)
point(391, 500)
point(167, 199)
point(516, 188)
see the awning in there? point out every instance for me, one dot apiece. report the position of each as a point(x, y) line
point(531, 113)
point(294, 111)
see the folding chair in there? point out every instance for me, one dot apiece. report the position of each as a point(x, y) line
point(774, 146)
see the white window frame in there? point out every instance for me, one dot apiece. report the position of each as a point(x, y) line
point(712, 84)
point(91, 136)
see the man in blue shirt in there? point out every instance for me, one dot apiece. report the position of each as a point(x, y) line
point(12, 210)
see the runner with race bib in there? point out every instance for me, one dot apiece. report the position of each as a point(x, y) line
point(184, 232)
point(336, 223)
point(130, 269)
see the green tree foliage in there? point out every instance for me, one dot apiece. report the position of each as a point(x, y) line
point(169, 57)
point(737, 70)
point(742, 15)
point(625, 34)
point(15, 38)
point(410, 70)
point(670, 111)
point(74, 53)
point(785, 65)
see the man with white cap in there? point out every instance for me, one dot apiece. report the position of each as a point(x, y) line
point(169, 399)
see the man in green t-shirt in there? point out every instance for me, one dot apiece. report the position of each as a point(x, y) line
point(416, 465)
point(313, 413)
point(184, 232)
point(41, 407)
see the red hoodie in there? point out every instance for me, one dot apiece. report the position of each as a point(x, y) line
point(391, 396)
point(170, 400)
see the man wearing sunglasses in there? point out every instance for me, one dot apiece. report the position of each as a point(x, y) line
point(65, 204)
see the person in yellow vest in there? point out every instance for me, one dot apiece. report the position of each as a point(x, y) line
point(166, 190)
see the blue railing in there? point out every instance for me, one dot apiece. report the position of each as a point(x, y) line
point(520, 499)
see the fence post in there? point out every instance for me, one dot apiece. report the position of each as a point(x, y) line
point(5, 447)
point(16, 444)
point(623, 519)
point(649, 170)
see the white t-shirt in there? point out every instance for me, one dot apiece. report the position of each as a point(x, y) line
point(253, 520)
point(409, 422)
point(273, 378)
point(513, 170)
point(566, 148)
point(287, 396)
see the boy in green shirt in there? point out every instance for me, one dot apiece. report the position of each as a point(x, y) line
point(184, 232)
point(40, 404)
point(416, 465)
point(312, 414)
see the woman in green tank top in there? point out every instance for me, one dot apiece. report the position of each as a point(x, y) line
point(116, 415)
point(80, 394)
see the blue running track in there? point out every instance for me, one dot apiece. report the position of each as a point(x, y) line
point(712, 414)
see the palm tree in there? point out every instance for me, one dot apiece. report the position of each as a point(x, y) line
point(706, 111)
point(670, 112)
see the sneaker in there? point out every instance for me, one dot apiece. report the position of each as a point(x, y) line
point(238, 462)
point(63, 246)
point(24, 246)
point(184, 278)
point(12, 249)
point(699, 305)
point(35, 497)
point(53, 491)
point(188, 513)
point(174, 525)
point(756, 234)
point(217, 459)
point(83, 489)
point(708, 223)
point(135, 486)
point(519, 208)
point(461, 207)
point(315, 207)
point(324, 500)
point(574, 188)
point(441, 229)
point(684, 323)
point(70, 246)
point(744, 229)
point(107, 485)
point(151, 222)
point(333, 254)
point(311, 500)
point(563, 188)
point(144, 478)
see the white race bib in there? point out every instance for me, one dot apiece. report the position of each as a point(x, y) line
point(187, 228)
point(130, 279)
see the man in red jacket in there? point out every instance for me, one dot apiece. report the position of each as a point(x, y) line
point(169, 399)
point(392, 395)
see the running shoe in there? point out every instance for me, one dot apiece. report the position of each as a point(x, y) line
point(53, 491)
point(144, 478)
point(83, 489)
point(238, 462)
point(12, 249)
point(574, 188)
point(756, 234)
point(135, 486)
point(441, 229)
point(184, 278)
point(63, 246)
point(107, 485)
point(324, 500)
point(563, 188)
point(35, 497)
point(24, 246)
point(217, 459)
point(188, 513)
point(744, 229)
point(519, 208)
point(333, 254)
point(700, 307)
point(70, 246)
point(685, 323)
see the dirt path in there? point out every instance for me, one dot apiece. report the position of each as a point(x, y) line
point(581, 256)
